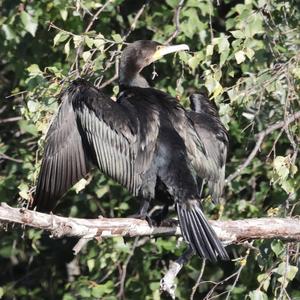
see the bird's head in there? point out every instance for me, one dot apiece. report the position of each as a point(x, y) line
point(138, 55)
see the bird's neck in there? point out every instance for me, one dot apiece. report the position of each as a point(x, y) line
point(129, 77)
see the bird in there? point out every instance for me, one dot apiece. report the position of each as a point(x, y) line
point(146, 141)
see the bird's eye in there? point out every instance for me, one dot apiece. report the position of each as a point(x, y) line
point(158, 47)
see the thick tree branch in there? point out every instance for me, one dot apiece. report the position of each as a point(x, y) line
point(86, 229)
point(228, 231)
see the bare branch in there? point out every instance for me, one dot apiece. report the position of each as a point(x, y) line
point(195, 287)
point(167, 283)
point(176, 22)
point(135, 20)
point(9, 120)
point(260, 138)
point(86, 229)
point(96, 15)
point(114, 58)
point(228, 231)
point(4, 156)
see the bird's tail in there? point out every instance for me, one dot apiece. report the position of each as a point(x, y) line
point(198, 233)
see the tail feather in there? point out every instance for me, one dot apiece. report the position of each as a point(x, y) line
point(205, 243)
point(199, 234)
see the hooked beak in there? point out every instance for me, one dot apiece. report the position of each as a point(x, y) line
point(163, 50)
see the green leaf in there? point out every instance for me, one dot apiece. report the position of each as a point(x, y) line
point(91, 264)
point(240, 56)
point(249, 52)
point(67, 48)
point(194, 61)
point(238, 34)
point(89, 42)
point(60, 37)
point(254, 26)
point(123, 206)
point(99, 42)
point(117, 38)
point(183, 56)
point(30, 23)
point(25, 126)
point(98, 291)
point(209, 50)
point(23, 190)
point(68, 297)
point(102, 191)
point(213, 86)
point(85, 292)
point(33, 106)
point(101, 289)
point(172, 3)
point(296, 72)
point(86, 55)
point(34, 70)
point(258, 295)
point(6, 251)
point(64, 14)
point(292, 271)
point(264, 279)
point(154, 286)
point(277, 247)
point(1, 292)
point(223, 57)
point(280, 165)
point(9, 32)
point(77, 39)
point(288, 186)
point(223, 44)
point(286, 270)
point(80, 185)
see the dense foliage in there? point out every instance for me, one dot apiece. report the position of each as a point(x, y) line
point(246, 54)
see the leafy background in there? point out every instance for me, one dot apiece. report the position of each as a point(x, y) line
point(246, 54)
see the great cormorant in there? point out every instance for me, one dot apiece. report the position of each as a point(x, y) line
point(146, 141)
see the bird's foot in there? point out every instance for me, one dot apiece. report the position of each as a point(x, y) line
point(160, 215)
point(145, 217)
point(169, 223)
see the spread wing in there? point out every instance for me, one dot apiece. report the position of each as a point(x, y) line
point(214, 137)
point(65, 160)
point(91, 127)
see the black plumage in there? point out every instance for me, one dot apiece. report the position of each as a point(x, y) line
point(214, 136)
point(145, 140)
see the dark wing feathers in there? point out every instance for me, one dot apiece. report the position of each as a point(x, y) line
point(114, 153)
point(145, 108)
point(214, 137)
point(64, 161)
point(91, 127)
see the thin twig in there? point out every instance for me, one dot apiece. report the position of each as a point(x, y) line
point(114, 57)
point(96, 15)
point(260, 137)
point(115, 77)
point(176, 20)
point(9, 120)
point(194, 289)
point(121, 293)
point(235, 274)
point(135, 20)
point(4, 156)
